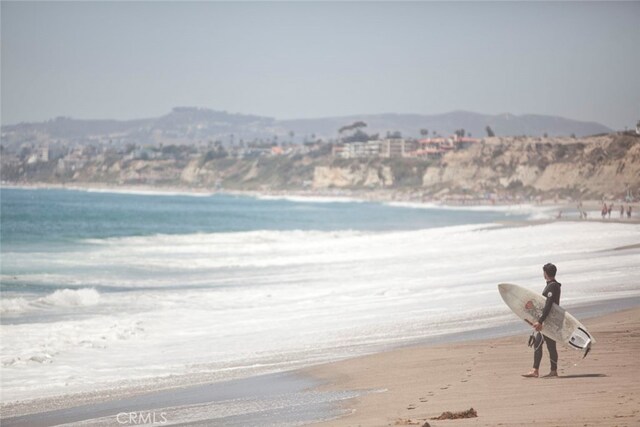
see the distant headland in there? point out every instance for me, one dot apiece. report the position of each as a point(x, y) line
point(453, 156)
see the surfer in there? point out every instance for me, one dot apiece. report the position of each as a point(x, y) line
point(552, 293)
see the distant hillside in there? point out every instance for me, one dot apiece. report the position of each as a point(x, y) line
point(593, 167)
point(445, 124)
point(182, 125)
point(186, 125)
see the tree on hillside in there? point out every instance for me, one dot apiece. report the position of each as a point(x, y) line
point(490, 132)
point(357, 136)
point(424, 132)
point(353, 126)
point(394, 135)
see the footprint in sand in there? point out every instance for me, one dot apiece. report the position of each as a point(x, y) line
point(412, 406)
point(424, 399)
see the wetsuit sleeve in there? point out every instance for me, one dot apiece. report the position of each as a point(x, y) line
point(547, 308)
point(549, 303)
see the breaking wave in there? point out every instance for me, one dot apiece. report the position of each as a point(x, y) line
point(61, 298)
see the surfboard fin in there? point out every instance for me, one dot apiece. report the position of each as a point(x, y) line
point(587, 350)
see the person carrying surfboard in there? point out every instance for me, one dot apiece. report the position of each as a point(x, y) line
point(552, 294)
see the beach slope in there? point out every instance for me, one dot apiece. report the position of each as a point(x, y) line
point(411, 386)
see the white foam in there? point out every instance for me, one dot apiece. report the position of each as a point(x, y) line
point(13, 305)
point(60, 298)
point(534, 211)
point(228, 304)
point(142, 192)
point(537, 211)
point(73, 298)
point(309, 199)
point(119, 190)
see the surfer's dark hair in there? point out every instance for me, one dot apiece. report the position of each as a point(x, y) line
point(550, 269)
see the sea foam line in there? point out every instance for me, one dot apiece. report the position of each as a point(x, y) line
point(61, 298)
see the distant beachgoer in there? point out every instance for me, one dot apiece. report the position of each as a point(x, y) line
point(552, 293)
point(604, 210)
point(621, 211)
point(629, 212)
point(559, 216)
point(609, 210)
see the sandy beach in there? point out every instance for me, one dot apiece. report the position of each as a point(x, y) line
point(406, 386)
point(411, 386)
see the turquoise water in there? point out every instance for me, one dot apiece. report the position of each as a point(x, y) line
point(46, 218)
point(38, 224)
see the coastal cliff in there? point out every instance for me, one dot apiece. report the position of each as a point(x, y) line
point(597, 166)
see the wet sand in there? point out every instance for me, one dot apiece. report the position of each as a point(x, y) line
point(281, 399)
point(415, 385)
point(406, 386)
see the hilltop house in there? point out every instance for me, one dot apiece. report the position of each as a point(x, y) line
point(398, 147)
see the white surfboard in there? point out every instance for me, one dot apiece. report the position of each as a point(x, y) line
point(560, 325)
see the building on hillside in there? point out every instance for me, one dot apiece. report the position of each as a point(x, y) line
point(337, 150)
point(428, 153)
point(41, 155)
point(251, 153)
point(359, 150)
point(429, 143)
point(434, 148)
point(398, 148)
point(445, 144)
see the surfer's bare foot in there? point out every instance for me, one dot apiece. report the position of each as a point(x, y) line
point(532, 374)
point(551, 374)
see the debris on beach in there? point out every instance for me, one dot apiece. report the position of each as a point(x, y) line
point(470, 413)
point(410, 422)
point(406, 422)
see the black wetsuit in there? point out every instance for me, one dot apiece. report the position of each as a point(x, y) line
point(552, 293)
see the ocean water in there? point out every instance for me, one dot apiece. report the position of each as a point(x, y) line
point(103, 289)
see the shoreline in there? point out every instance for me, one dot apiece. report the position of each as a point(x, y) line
point(549, 208)
point(331, 393)
point(173, 386)
point(420, 383)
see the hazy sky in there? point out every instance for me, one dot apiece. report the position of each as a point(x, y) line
point(314, 59)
